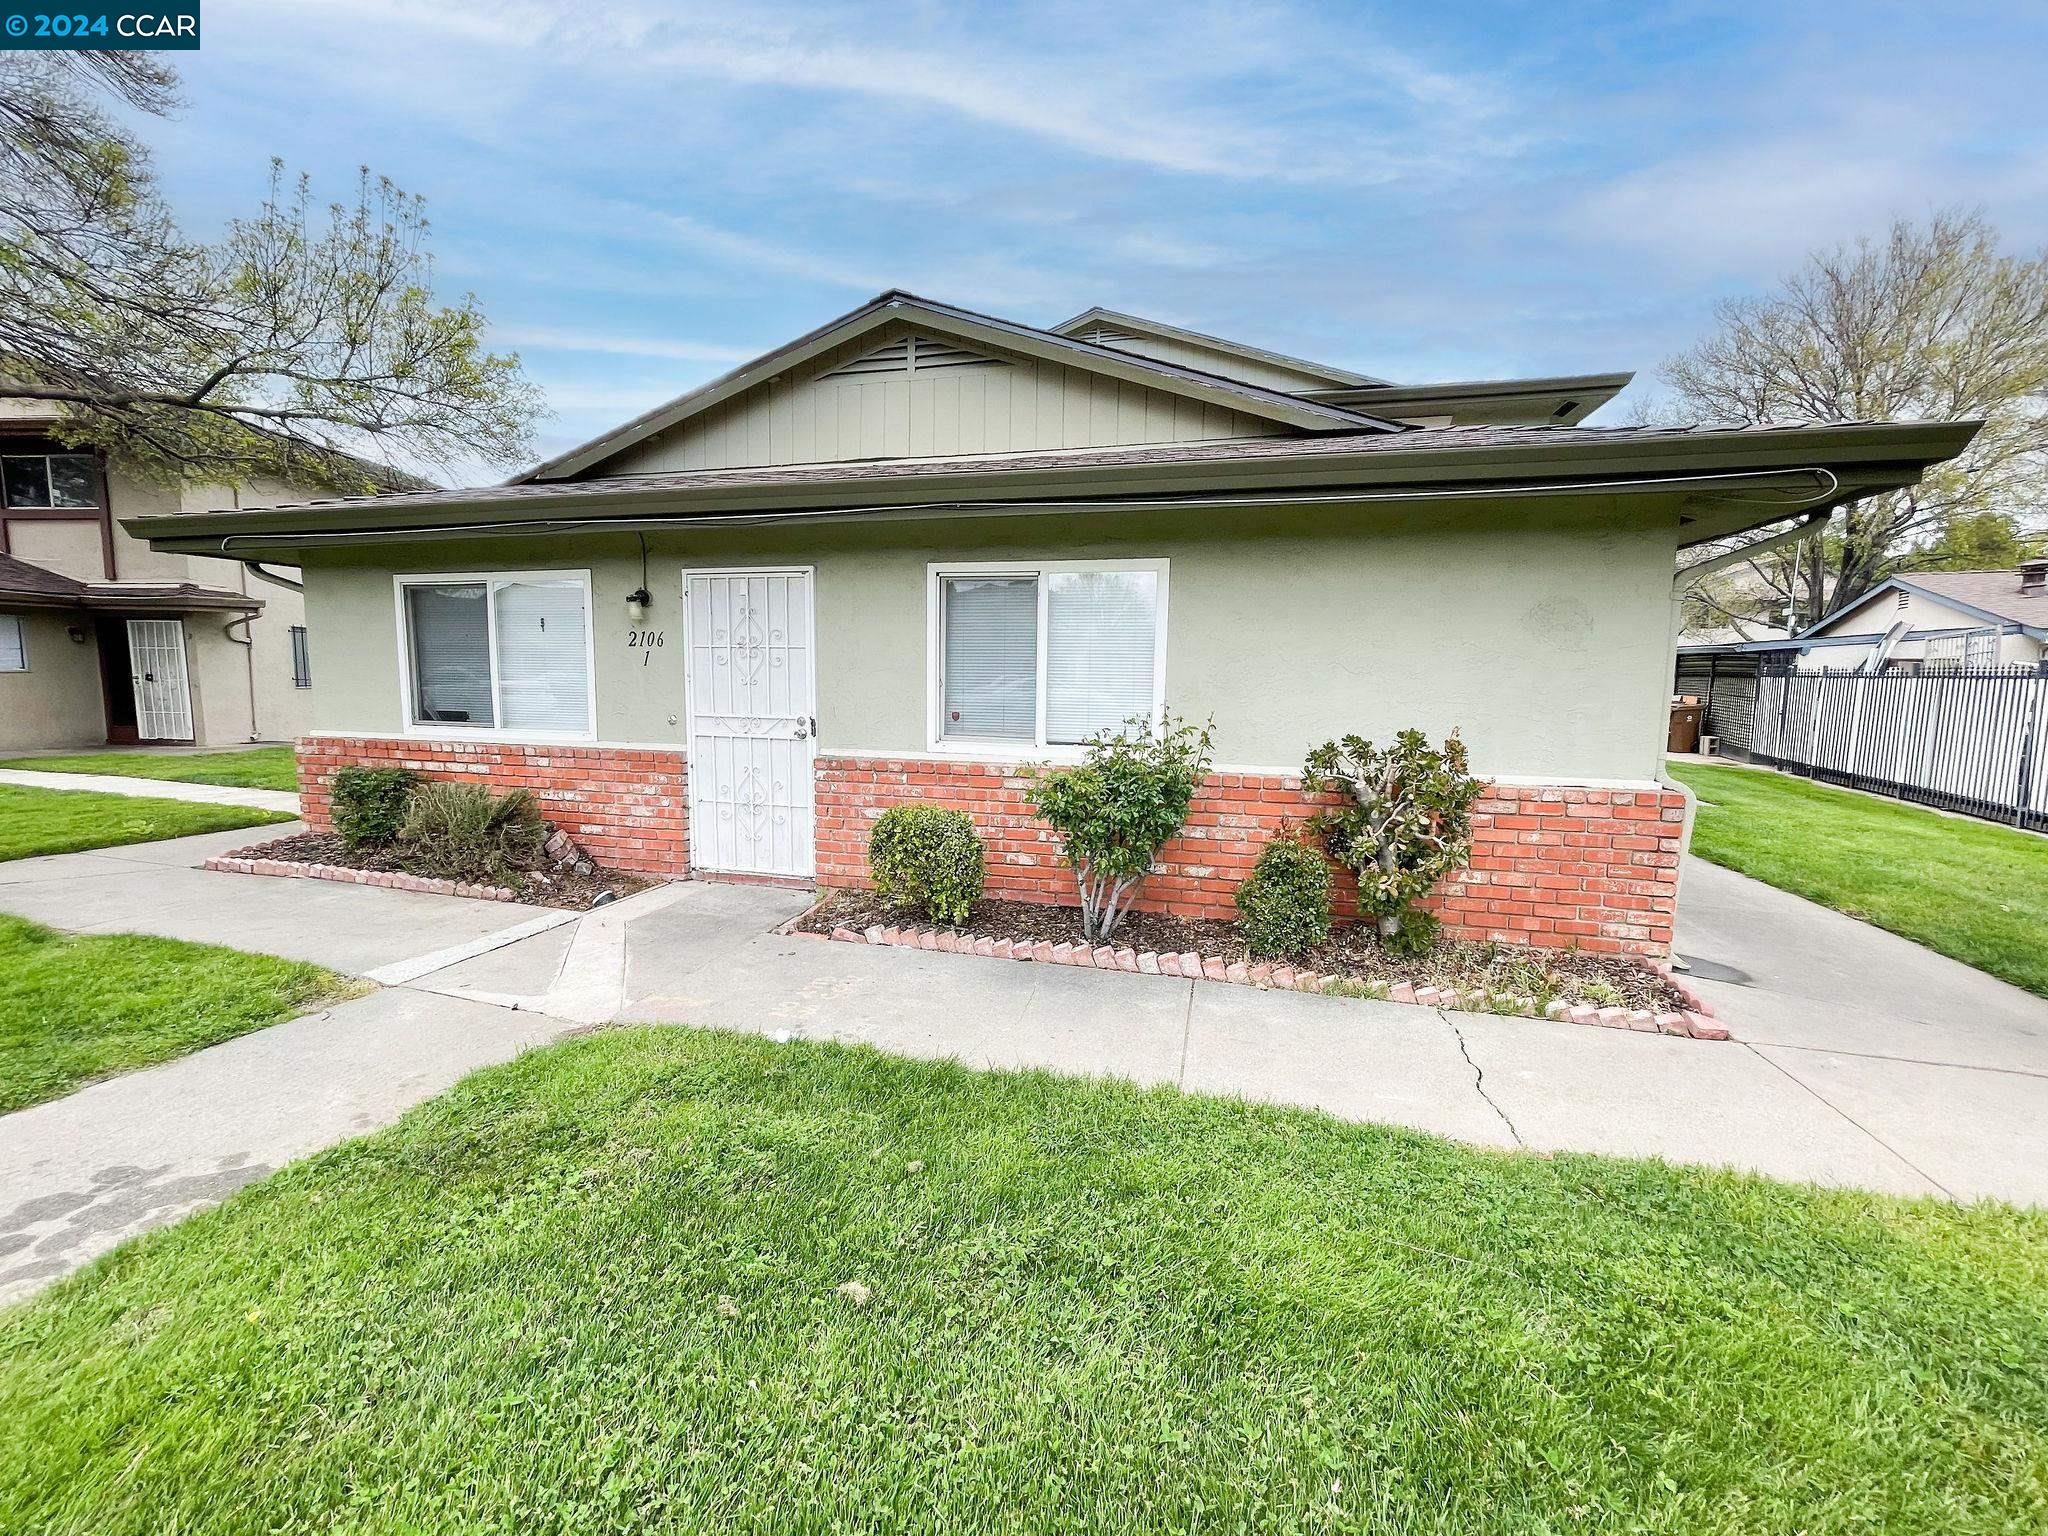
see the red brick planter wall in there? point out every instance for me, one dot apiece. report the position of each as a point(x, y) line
point(627, 807)
point(1551, 865)
point(1592, 868)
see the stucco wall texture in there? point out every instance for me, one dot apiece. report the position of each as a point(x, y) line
point(1541, 636)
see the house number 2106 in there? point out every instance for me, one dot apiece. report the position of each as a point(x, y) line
point(644, 641)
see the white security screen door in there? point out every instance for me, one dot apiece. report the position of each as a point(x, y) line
point(752, 727)
point(156, 663)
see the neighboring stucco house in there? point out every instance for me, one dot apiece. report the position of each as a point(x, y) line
point(1936, 620)
point(919, 547)
point(1928, 621)
point(103, 639)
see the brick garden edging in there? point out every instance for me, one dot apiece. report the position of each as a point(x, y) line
point(1696, 1022)
point(342, 874)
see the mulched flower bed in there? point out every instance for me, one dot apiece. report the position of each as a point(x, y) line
point(549, 888)
point(1569, 975)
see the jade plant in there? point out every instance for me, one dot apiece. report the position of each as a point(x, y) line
point(1405, 823)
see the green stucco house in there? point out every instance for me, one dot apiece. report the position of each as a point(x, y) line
point(920, 547)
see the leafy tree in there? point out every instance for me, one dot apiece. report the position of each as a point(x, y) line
point(1932, 322)
point(1989, 541)
point(300, 340)
point(1118, 807)
point(1406, 823)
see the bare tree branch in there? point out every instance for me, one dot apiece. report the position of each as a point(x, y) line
point(304, 341)
point(1931, 323)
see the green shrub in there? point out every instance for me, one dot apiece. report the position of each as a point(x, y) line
point(928, 858)
point(1283, 906)
point(1405, 823)
point(1124, 802)
point(1415, 937)
point(368, 805)
point(464, 832)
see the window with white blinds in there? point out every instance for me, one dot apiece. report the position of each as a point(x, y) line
point(1047, 655)
point(990, 669)
point(509, 653)
point(13, 646)
point(1100, 630)
point(543, 684)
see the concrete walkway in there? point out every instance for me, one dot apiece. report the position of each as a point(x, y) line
point(156, 789)
point(1863, 1060)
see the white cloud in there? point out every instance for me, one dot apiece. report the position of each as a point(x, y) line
point(1120, 89)
point(752, 253)
point(555, 338)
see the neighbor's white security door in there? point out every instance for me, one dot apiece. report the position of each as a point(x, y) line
point(156, 662)
point(752, 710)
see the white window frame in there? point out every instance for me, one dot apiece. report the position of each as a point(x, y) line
point(21, 641)
point(1037, 749)
point(491, 581)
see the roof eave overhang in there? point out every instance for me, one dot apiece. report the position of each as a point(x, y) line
point(1340, 378)
point(1565, 399)
point(120, 602)
point(1858, 460)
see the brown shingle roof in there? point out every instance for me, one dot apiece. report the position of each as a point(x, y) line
point(1993, 591)
point(20, 579)
point(23, 585)
point(1417, 440)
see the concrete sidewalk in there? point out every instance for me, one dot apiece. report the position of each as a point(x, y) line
point(158, 888)
point(81, 1174)
point(1913, 1074)
point(156, 789)
point(1862, 1060)
point(84, 1173)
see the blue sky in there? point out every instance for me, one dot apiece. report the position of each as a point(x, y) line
point(643, 193)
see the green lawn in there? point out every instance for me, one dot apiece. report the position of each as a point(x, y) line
point(75, 1009)
point(1972, 890)
point(256, 768)
point(38, 821)
point(598, 1289)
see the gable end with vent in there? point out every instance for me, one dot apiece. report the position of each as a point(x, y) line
point(913, 354)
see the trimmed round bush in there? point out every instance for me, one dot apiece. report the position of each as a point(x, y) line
point(368, 805)
point(929, 859)
point(1283, 906)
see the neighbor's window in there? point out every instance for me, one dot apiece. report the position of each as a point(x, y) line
point(507, 653)
point(1048, 655)
point(13, 646)
point(50, 480)
point(302, 659)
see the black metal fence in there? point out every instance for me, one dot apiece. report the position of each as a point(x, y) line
point(1971, 741)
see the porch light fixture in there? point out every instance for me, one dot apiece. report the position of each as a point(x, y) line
point(638, 599)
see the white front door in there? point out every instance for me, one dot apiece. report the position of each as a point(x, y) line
point(156, 663)
point(751, 713)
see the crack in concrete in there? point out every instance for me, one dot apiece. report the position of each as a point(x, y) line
point(1479, 1076)
point(1187, 1030)
point(1829, 1104)
point(1910, 1061)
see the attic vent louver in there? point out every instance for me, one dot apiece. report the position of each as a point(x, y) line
point(912, 354)
point(1107, 338)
